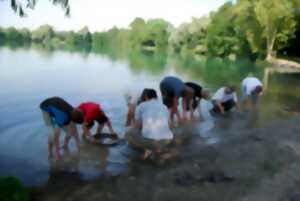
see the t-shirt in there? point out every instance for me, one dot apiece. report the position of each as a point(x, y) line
point(221, 96)
point(172, 86)
point(154, 116)
point(92, 112)
point(249, 84)
point(59, 109)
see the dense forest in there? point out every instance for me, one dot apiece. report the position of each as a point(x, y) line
point(248, 28)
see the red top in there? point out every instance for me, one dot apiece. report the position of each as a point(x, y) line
point(92, 112)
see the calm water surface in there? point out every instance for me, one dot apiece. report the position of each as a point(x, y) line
point(29, 76)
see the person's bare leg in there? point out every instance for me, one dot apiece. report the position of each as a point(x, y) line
point(74, 133)
point(67, 140)
point(56, 140)
point(50, 149)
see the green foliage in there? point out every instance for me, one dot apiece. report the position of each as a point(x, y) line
point(221, 36)
point(246, 28)
point(43, 34)
point(20, 7)
point(277, 21)
point(11, 189)
point(190, 37)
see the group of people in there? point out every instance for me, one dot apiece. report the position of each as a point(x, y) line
point(150, 122)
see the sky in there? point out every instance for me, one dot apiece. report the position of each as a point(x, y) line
point(101, 15)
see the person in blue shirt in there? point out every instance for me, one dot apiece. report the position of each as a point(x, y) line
point(59, 114)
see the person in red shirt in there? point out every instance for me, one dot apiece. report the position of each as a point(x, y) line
point(92, 112)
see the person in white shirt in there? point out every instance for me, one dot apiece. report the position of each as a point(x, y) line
point(224, 100)
point(151, 130)
point(252, 90)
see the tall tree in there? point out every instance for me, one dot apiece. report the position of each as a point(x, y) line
point(277, 21)
point(43, 34)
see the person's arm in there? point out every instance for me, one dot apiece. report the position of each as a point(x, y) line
point(221, 108)
point(184, 107)
point(188, 94)
point(100, 128)
point(109, 125)
point(130, 114)
point(192, 110)
point(86, 130)
point(138, 124)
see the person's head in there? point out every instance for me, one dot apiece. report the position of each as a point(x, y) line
point(77, 116)
point(258, 90)
point(229, 89)
point(205, 94)
point(148, 94)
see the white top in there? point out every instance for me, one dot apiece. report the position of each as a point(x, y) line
point(154, 117)
point(249, 84)
point(221, 96)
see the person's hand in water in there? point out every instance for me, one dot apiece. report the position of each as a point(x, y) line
point(115, 135)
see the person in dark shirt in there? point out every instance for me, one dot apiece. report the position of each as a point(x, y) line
point(172, 88)
point(199, 94)
point(59, 114)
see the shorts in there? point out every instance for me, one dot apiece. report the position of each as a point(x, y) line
point(171, 87)
point(51, 125)
point(135, 138)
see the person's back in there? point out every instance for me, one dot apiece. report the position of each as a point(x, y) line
point(91, 111)
point(154, 116)
point(249, 84)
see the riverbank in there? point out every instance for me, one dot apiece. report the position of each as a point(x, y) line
point(248, 164)
point(283, 63)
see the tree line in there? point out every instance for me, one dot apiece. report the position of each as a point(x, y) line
point(247, 28)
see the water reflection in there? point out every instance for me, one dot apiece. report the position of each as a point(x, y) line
point(28, 76)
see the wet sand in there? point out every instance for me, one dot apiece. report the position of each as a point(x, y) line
point(246, 163)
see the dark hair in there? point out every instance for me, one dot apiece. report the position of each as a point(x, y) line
point(77, 116)
point(258, 89)
point(148, 94)
point(231, 88)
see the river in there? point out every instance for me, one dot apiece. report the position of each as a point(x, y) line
point(28, 76)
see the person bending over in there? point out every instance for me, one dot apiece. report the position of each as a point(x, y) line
point(199, 94)
point(92, 112)
point(252, 90)
point(224, 100)
point(59, 114)
point(172, 88)
point(151, 131)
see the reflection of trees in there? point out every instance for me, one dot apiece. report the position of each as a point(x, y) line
point(150, 62)
point(216, 71)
